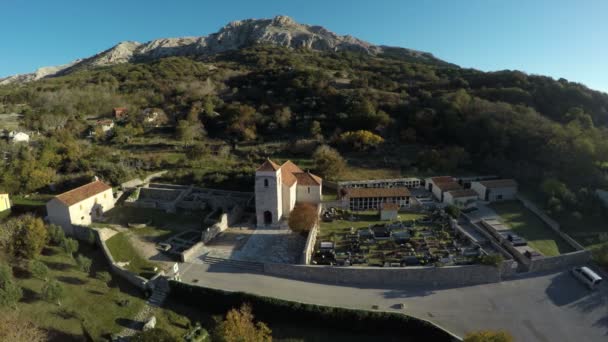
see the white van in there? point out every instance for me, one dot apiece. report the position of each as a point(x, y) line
point(587, 276)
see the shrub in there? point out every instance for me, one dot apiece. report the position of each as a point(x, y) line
point(154, 335)
point(328, 162)
point(17, 328)
point(453, 211)
point(360, 140)
point(239, 326)
point(600, 254)
point(84, 263)
point(491, 259)
point(10, 292)
point(38, 269)
point(488, 336)
point(30, 236)
point(53, 291)
point(56, 234)
point(69, 246)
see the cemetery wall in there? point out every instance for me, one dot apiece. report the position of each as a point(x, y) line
point(368, 276)
point(310, 245)
point(559, 261)
point(196, 249)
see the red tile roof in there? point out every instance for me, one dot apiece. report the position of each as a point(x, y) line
point(377, 192)
point(499, 183)
point(389, 206)
point(268, 165)
point(448, 186)
point(291, 167)
point(308, 179)
point(81, 193)
point(442, 179)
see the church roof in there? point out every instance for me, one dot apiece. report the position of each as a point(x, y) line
point(291, 167)
point(287, 177)
point(307, 178)
point(268, 165)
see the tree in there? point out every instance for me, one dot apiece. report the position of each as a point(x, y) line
point(315, 130)
point(188, 131)
point(15, 328)
point(154, 335)
point(84, 263)
point(53, 291)
point(283, 117)
point(30, 237)
point(453, 211)
point(303, 217)
point(104, 277)
point(488, 336)
point(239, 326)
point(56, 234)
point(38, 269)
point(10, 292)
point(360, 140)
point(69, 246)
point(328, 162)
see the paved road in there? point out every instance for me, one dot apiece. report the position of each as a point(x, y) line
point(550, 307)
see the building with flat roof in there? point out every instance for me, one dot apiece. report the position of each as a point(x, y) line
point(463, 198)
point(440, 185)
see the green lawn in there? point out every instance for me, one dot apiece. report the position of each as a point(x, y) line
point(86, 298)
point(31, 200)
point(530, 227)
point(122, 251)
point(363, 220)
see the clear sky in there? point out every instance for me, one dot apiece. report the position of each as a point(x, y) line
point(559, 38)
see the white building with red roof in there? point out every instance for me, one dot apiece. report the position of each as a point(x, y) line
point(80, 206)
point(279, 187)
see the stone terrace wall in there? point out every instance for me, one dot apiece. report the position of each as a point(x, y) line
point(309, 247)
point(559, 262)
point(136, 280)
point(196, 249)
point(367, 276)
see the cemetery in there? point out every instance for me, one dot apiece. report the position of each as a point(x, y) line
point(416, 239)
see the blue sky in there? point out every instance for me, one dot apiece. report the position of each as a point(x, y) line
point(558, 38)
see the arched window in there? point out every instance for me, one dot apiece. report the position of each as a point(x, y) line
point(265, 183)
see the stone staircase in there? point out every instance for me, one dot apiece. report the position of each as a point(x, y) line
point(240, 264)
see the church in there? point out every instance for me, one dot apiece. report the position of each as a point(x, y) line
point(279, 188)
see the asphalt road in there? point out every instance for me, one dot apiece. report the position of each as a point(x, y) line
point(549, 307)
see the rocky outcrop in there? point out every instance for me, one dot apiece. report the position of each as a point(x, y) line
point(279, 31)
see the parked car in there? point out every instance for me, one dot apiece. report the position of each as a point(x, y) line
point(586, 275)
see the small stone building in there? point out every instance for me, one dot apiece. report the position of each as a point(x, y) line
point(279, 188)
point(495, 190)
point(80, 206)
point(440, 185)
point(372, 198)
point(463, 199)
point(389, 211)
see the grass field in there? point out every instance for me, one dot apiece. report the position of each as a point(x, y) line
point(82, 296)
point(530, 227)
point(122, 251)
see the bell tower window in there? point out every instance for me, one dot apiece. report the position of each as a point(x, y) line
point(265, 183)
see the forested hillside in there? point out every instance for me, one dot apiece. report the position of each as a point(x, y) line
point(422, 118)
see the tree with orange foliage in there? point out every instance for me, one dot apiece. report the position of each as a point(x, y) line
point(240, 327)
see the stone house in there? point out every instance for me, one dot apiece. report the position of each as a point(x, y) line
point(495, 190)
point(463, 199)
point(278, 188)
point(80, 206)
point(389, 211)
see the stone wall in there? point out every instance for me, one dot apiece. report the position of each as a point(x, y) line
point(309, 247)
point(155, 194)
point(374, 276)
point(211, 232)
point(559, 262)
point(196, 249)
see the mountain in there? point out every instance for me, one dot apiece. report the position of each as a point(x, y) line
point(279, 31)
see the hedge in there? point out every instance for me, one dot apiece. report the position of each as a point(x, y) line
point(271, 310)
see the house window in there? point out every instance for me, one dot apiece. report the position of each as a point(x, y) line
point(105, 196)
point(265, 183)
point(308, 189)
point(81, 207)
point(82, 218)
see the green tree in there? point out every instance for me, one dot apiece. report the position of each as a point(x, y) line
point(360, 140)
point(56, 234)
point(30, 236)
point(53, 291)
point(84, 263)
point(328, 162)
point(188, 131)
point(453, 211)
point(239, 326)
point(315, 130)
point(38, 269)
point(69, 246)
point(10, 292)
